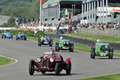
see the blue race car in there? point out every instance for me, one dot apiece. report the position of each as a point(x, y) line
point(7, 35)
point(21, 36)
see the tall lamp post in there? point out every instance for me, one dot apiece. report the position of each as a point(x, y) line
point(106, 10)
point(73, 9)
point(40, 13)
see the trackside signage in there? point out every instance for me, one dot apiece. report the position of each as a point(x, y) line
point(110, 9)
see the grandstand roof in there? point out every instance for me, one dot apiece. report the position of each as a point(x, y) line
point(54, 1)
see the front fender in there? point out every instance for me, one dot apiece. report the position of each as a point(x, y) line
point(32, 60)
point(67, 61)
point(25, 35)
point(92, 49)
point(111, 49)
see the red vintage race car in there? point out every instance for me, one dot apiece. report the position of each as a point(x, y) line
point(50, 62)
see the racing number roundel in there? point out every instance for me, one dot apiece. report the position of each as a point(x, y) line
point(40, 2)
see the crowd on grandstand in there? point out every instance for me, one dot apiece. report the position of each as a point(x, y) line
point(74, 26)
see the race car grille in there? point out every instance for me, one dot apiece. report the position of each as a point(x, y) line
point(103, 49)
point(45, 63)
point(66, 44)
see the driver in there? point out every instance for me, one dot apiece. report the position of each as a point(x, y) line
point(98, 41)
point(61, 38)
point(51, 50)
point(19, 32)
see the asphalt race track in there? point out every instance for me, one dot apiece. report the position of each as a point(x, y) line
point(82, 65)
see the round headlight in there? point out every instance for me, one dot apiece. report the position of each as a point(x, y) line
point(51, 59)
point(38, 59)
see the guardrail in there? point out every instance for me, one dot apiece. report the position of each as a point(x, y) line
point(5, 28)
point(95, 31)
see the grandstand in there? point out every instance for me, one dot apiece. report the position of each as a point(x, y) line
point(52, 11)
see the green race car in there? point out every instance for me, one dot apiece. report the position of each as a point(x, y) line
point(64, 44)
point(102, 49)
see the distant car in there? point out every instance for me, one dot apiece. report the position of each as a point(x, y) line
point(64, 44)
point(7, 35)
point(21, 36)
point(48, 63)
point(45, 40)
point(102, 49)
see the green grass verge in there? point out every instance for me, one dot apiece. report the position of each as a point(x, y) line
point(5, 61)
point(50, 32)
point(103, 38)
point(107, 77)
point(32, 38)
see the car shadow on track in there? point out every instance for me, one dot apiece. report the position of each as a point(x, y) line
point(108, 58)
point(53, 74)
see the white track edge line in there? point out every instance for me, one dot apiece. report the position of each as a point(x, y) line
point(15, 61)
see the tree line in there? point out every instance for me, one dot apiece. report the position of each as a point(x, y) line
point(25, 9)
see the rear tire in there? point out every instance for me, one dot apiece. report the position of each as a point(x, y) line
point(16, 37)
point(93, 55)
point(111, 55)
point(31, 68)
point(57, 48)
point(51, 43)
point(57, 68)
point(2, 36)
point(25, 38)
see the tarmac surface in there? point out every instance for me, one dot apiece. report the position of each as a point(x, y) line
point(82, 65)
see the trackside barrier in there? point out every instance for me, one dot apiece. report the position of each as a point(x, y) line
point(87, 42)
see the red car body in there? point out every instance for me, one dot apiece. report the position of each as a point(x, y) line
point(50, 62)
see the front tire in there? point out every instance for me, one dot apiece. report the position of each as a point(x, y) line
point(72, 48)
point(68, 70)
point(4, 36)
point(31, 68)
point(12, 37)
point(39, 42)
point(57, 68)
point(111, 55)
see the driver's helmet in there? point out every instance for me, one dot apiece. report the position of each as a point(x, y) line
point(19, 32)
point(98, 41)
point(61, 37)
point(51, 50)
point(4, 31)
